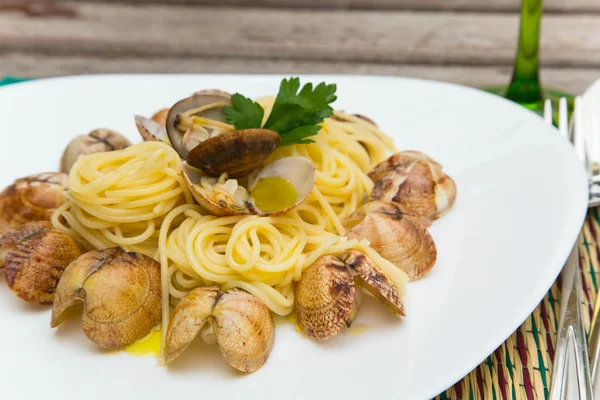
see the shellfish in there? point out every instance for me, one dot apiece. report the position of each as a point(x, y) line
point(416, 182)
point(401, 239)
point(198, 131)
point(33, 198)
point(34, 256)
point(241, 325)
point(120, 292)
point(325, 295)
point(275, 189)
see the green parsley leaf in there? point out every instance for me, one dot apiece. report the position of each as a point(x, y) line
point(245, 114)
point(298, 135)
point(295, 115)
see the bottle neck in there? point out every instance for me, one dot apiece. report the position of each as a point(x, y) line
point(525, 87)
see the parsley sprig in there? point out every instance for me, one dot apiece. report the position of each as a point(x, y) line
point(295, 115)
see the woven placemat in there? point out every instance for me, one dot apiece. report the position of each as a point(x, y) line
point(521, 367)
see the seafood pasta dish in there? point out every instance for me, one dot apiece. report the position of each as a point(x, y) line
point(227, 212)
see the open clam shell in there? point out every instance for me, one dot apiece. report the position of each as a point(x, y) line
point(35, 256)
point(242, 326)
point(33, 198)
point(198, 131)
point(298, 171)
point(236, 153)
point(232, 198)
point(208, 106)
point(244, 329)
point(69, 290)
point(187, 320)
point(220, 201)
point(150, 130)
point(416, 182)
point(326, 296)
point(120, 292)
point(374, 280)
point(400, 240)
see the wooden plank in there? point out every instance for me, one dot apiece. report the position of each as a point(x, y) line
point(35, 65)
point(327, 35)
point(580, 6)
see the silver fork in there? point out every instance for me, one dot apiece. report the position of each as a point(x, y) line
point(571, 329)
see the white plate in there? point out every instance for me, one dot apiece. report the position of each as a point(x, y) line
point(521, 201)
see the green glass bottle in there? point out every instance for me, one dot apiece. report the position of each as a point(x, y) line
point(525, 87)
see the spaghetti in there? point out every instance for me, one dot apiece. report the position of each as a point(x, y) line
point(262, 255)
point(120, 198)
point(136, 198)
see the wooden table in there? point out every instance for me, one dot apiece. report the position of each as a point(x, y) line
point(466, 41)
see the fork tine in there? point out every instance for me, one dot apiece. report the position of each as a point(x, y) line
point(548, 111)
point(563, 117)
point(578, 132)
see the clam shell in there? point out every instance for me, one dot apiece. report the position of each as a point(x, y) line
point(24, 232)
point(189, 103)
point(121, 296)
point(241, 325)
point(35, 256)
point(420, 188)
point(33, 198)
point(299, 171)
point(150, 130)
point(325, 297)
point(160, 117)
point(192, 177)
point(69, 289)
point(404, 243)
point(244, 329)
point(122, 301)
point(187, 320)
point(236, 153)
point(374, 280)
point(97, 141)
point(400, 160)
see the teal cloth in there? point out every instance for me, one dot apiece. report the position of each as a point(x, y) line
point(7, 80)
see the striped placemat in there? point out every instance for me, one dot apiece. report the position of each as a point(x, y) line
point(521, 367)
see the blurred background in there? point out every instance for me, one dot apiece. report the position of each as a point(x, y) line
point(471, 42)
